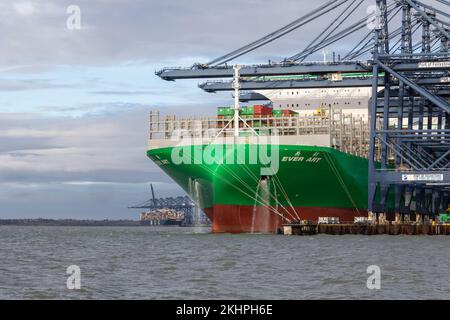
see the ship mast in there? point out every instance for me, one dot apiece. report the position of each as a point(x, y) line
point(236, 87)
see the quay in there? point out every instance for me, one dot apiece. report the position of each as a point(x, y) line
point(367, 229)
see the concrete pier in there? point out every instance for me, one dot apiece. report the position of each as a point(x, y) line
point(392, 229)
point(368, 229)
point(300, 229)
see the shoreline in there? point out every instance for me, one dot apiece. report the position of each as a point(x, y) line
point(69, 223)
point(40, 222)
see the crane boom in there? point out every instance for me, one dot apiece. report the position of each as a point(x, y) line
point(171, 74)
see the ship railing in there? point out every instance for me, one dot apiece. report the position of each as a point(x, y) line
point(348, 133)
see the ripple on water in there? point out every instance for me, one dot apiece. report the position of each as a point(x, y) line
point(182, 263)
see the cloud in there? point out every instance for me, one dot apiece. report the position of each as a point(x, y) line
point(29, 133)
point(25, 8)
point(156, 32)
point(81, 152)
point(124, 93)
point(48, 161)
point(152, 32)
point(31, 84)
point(93, 163)
point(97, 107)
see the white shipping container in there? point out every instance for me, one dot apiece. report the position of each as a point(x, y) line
point(328, 220)
point(363, 220)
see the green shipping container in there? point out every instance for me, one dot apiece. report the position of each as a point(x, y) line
point(247, 111)
point(277, 113)
point(225, 111)
point(250, 110)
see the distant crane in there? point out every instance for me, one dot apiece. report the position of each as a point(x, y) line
point(182, 204)
point(153, 194)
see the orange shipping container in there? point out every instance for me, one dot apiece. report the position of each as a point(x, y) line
point(262, 110)
point(288, 113)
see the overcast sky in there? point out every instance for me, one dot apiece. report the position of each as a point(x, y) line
point(74, 103)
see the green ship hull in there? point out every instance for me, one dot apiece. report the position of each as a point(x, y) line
point(238, 195)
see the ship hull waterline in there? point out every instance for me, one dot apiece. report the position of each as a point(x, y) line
point(309, 182)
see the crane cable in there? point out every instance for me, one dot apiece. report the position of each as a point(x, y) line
point(337, 26)
point(330, 5)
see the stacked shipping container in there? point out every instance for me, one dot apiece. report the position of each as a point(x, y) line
point(255, 111)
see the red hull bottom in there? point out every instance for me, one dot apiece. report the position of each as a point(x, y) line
point(244, 219)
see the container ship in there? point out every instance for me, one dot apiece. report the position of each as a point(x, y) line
point(253, 168)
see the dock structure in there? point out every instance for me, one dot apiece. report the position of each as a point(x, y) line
point(409, 158)
point(405, 59)
point(300, 229)
point(183, 204)
point(366, 229)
